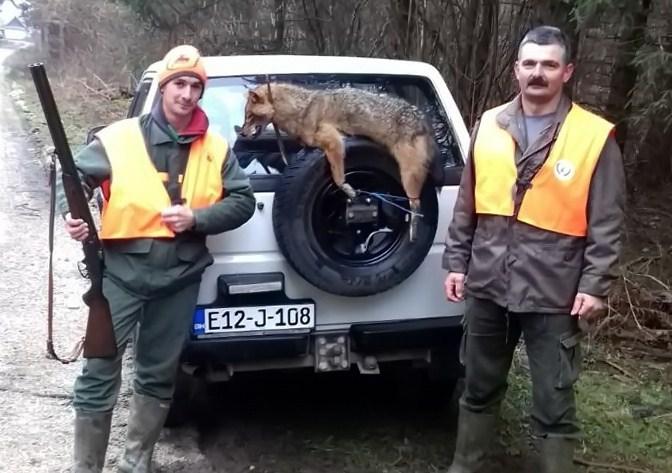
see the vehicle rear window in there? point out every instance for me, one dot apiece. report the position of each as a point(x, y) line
point(224, 102)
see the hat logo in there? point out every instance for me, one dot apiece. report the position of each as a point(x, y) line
point(563, 170)
point(183, 61)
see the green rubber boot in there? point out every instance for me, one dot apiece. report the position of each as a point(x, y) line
point(92, 432)
point(146, 419)
point(557, 455)
point(475, 432)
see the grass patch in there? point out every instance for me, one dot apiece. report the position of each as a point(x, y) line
point(626, 420)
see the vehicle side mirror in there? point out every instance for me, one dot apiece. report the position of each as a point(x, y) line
point(92, 132)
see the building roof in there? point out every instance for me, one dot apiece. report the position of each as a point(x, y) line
point(11, 12)
point(15, 23)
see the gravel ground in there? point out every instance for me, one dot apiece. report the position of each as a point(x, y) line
point(35, 392)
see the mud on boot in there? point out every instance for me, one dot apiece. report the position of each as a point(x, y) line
point(557, 455)
point(146, 418)
point(92, 432)
point(475, 433)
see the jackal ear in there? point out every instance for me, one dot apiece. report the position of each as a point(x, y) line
point(254, 96)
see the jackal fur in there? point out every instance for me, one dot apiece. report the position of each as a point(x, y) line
point(320, 118)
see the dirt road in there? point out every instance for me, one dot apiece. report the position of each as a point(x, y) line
point(34, 392)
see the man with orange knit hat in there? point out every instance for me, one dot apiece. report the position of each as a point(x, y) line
point(167, 182)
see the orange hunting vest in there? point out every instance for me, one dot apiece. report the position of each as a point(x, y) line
point(558, 196)
point(137, 191)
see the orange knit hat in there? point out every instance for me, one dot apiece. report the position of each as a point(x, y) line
point(180, 61)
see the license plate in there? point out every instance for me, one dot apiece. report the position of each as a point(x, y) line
point(215, 320)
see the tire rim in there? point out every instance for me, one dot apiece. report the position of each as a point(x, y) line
point(342, 242)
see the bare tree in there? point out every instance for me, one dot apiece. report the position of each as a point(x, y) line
point(623, 46)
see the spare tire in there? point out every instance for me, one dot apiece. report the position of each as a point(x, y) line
point(331, 251)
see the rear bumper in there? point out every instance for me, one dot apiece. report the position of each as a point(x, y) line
point(372, 338)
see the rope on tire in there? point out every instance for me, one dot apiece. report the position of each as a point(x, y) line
point(388, 198)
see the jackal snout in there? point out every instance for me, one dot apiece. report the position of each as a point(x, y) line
point(259, 113)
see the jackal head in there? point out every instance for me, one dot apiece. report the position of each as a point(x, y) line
point(259, 112)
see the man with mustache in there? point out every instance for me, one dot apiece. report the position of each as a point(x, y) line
point(533, 248)
point(168, 182)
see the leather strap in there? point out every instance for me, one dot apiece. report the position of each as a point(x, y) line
point(51, 353)
point(281, 144)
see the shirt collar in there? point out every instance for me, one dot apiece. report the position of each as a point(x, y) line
point(163, 132)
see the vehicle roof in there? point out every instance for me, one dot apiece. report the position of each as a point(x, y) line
point(297, 64)
point(244, 65)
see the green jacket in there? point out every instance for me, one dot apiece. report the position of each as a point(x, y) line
point(150, 267)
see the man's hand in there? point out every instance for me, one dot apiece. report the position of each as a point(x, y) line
point(76, 228)
point(178, 218)
point(588, 307)
point(455, 287)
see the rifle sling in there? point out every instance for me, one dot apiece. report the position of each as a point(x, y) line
point(51, 353)
point(278, 138)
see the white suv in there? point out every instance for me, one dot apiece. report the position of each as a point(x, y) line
point(312, 280)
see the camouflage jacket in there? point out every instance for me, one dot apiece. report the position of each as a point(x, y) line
point(149, 267)
point(527, 269)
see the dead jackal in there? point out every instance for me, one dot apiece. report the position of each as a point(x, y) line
point(319, 118)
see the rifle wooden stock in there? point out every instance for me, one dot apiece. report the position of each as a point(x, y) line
point(99, 341)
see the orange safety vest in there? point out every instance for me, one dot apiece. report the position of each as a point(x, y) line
point(558, 196)
point(137, 191)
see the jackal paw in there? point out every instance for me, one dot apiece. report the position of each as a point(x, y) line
point(349, 191)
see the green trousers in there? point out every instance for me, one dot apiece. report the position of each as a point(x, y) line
point(162, 328)
point(553, 348)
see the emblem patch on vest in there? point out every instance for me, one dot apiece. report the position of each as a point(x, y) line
point(563, 170)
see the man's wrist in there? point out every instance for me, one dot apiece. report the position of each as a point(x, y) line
point(194, 221)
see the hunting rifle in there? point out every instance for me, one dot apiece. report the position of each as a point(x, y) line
point(99, 341)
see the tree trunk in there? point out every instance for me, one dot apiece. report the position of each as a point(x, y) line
point(624, 78)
